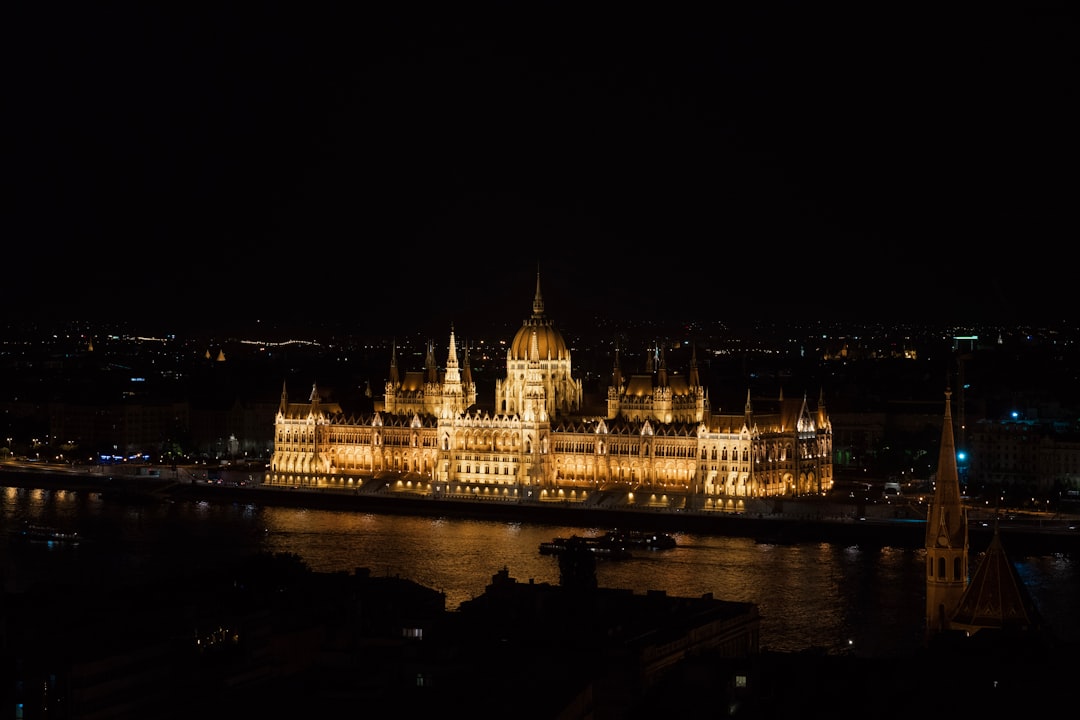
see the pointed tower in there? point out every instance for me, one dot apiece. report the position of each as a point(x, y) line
point(615, 390)
point(616, 371)
point(395, 375)
point(453, 370)
point(695, 378)
point(535, 406)
point(946, 537)
point(456, 394)
point(431, 370)
point(467, 381)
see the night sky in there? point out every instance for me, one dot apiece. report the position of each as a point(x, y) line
point(388, 164)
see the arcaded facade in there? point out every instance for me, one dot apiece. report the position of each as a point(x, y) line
point(658, 444)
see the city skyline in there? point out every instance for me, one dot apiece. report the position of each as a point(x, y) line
point(218, 168)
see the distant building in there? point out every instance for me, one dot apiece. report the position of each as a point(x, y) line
point(1026, 457)
point(655, 443)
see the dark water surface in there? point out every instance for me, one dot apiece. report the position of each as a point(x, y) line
point(814, 594)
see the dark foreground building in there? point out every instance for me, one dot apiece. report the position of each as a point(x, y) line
point(269, 638)
point(266, 637)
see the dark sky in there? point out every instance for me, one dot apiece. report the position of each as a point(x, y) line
point(352, 161)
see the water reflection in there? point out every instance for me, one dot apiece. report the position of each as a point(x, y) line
point(808, 595)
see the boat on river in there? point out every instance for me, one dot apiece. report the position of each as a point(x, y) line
point(606, 547)
point(37, 533)
point(641, 540)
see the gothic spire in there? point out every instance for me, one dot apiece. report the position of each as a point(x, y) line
point(395, 378)
point(946, 508)
point(694, 380)
point(452, 359)
point(538, 300)
point(616, 373)
point(946, 536)
point(431, 371)
point(466, 372)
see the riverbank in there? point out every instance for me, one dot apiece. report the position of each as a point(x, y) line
point(789, 521)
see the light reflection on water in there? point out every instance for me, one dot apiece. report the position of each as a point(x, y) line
point(808, 595)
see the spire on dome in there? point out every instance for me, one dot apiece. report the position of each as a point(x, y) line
point(538, 300)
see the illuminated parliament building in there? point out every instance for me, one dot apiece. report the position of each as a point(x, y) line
point(657, 445)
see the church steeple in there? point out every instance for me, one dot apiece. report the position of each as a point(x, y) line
point(946, 536)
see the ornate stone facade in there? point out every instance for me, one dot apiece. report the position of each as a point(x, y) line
point(658, 444)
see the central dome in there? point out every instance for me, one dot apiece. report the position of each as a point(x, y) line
point(549, 341)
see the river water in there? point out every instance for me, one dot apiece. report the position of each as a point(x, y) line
point(870, 600)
